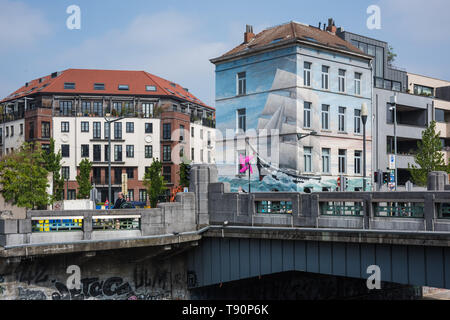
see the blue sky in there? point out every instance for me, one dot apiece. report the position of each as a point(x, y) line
point(176, 39)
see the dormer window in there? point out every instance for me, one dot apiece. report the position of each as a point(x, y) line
point(69, 85)
point(123, 87)
point(99, 86)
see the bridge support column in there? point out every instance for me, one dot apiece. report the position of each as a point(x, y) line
point(201, 176)
point(429, 212)
point(367, 210)
point(87, 227)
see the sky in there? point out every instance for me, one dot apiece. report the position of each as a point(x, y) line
point(176, 39)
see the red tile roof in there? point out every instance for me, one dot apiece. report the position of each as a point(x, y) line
point(290, 32)
point(84, 80)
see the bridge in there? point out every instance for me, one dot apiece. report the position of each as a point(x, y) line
point(211, 237)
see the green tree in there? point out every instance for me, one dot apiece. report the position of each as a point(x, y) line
point(154, 182)
point(23, 178)
point(53, 164)
point(83, 179)
point(428, 157)
point(184, 173)
point(391, 55)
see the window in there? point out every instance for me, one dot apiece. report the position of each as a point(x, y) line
point(181, 132)
point(118, 107)
point(341, 80)
point(97, 129)
point(325, 75)
point(117, 130)
point(357, 124)
point(423, 91)
point(341, 119)
point(65, 173)
point(166, 153)
point(167, 173)
point(357, 162)
point(84, 126)
point(65, 108)
point(175, 108)
point(148, 127)
point(358, 83)
point(7, 132)
point(21, 129)
point(97, 152)
point(241, 83)
point(150, 88)
point(379, 62)
point(325, 117)
point(307, 114)
point(130, 173)
point(45, 147)
point(45, 130)
point(64, 126)
point(192, 154)
point(201, 134)
point(85, 108)
point(65, 150)
point(307, 153)
point(85, 151)
point(97, 108)
point(117, 175)
point(69, 85)
point(130, 127)
point(30, 131)
point(342, 161)
point(241, 119)
point(209, 156)
point(147, 110)
point(123, 87)
point(167, 131)
point(143, 195)
point(107, 126)
point(439, 115)
point(201, 155)
point(389, 113)
point(326, 160)
point(307, 74)
point(118, 153)
point(149, 152)
point(130, 151)
point(106, 153)
point(99, 86)
point(396, 86)
point(131, 194)
point(192, 132)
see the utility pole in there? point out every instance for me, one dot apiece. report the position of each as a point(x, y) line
point(108, 122)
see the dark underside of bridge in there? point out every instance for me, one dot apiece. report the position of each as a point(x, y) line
point(304, 286)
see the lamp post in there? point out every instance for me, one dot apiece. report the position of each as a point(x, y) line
point(109, 121)
point(393, 103)
point(364, 114)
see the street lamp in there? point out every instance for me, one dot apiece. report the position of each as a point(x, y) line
point(393, 103)
point(364, 114)
point(109, 121)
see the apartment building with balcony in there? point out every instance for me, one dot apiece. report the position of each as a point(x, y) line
point(420, 100)
point(156, 117)
point(286, 82)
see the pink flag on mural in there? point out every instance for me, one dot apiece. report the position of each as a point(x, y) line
point(245, 163)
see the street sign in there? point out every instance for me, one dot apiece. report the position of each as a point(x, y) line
point(391, 162)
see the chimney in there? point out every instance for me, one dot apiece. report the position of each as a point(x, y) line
point(331, 27)
point(248, 35)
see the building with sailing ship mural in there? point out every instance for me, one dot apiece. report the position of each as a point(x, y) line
point(291, 97)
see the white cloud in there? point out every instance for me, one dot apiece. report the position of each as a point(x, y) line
point(20, 25)
point(168, 44)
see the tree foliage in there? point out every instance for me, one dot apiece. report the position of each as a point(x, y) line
point(184, 174)
point(428, 157)
point(23, 178)
point(391, 55)
point(53, 164)
point(154, 182)
point(83, 179)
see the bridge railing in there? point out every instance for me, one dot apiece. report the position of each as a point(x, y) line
point(44, 226)
point(414, 211)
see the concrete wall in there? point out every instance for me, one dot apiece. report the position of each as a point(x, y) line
point(136, 274)
point(168, 218)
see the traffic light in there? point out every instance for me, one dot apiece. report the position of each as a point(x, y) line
point(385, 177)
point(346, 183)
point(375, 177)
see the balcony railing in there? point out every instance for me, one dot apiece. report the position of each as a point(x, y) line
point(57, 224)
point(274, 207)
point(341, 210)
point(411, 210)
point(104, 223)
